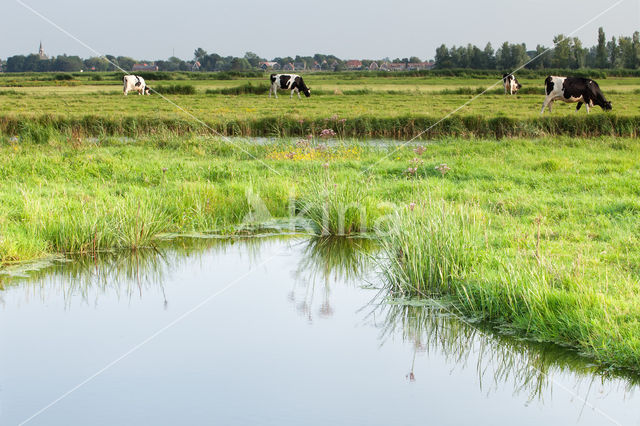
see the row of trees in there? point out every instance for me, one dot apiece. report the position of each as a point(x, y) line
point(568, 52)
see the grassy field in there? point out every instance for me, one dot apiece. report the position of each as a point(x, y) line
point(357, 106)
point(538, 236)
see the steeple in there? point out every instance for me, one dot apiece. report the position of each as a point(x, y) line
point(41, 53)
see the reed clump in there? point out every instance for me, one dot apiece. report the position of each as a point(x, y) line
point(450, 252)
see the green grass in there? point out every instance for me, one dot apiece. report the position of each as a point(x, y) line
point(354, 105)
point(534, 229)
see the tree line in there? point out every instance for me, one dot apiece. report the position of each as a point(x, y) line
point(567, 53)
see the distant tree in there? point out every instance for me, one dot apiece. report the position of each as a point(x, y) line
point(240, 64)
point(15, 63)
point(209, 62)
point(254, 60)
point(635, 40)
point(614, 53)
point(628, 52)
point(126, 63)
point(578, 55)
point(490, 59)
point(415, 59)
point(561, 51)
point(443, 58)
point(96, 64)
point(601, 50)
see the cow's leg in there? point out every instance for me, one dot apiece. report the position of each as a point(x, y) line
point(298, 92)
point(579, 105)
point(270, 90)
point(587, 107)
point(544, 105)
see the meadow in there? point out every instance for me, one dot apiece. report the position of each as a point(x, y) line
point(537, 235)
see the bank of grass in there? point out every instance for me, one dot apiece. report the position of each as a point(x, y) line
point(450, 252)
point(366, 126)
point(539, 236)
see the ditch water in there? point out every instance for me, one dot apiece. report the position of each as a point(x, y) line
point(270, 331)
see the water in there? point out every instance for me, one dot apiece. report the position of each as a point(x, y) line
point(270, 332)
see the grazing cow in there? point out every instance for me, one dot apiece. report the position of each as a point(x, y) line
point(291, 82)
point(511, 84)
point(135, 83)
point(574, 89)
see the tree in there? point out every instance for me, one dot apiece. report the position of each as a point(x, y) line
point(635, 40)
point(96, 64)
point(414, 59)
point(578, 55)
point(601, 50)
point(614, 53)
point(489, 56)
point(67, 63)
point(443, 58)
point(15, 63)
point(240, 64)
point(253, 59)
point(125, 62)
point(561, 51)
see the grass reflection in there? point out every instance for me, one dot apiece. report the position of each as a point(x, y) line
point(498, 359)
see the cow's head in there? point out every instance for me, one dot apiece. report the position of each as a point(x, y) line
point(147, 90)
point(518, 85)
point(606, 105)
point(303, 87)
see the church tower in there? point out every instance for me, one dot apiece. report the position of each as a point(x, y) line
point(41, 53)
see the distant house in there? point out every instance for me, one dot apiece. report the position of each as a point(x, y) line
point(353, 64)
point(374, 66)
point(300, 66)
point(393, 66)
point(289, 67)
point(145, 67)
point(196, 66)
point(417, 66)
point(269, 65)
point(316, 66)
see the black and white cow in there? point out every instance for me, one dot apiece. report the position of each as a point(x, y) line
point(135, 83)
point(511, 84)
point(291, 82)
point(574, 89)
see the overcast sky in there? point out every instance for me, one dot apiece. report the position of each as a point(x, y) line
point(146, 29)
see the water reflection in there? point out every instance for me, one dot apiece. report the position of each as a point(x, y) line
point(325, 261)
point(125, 274)
point(498, 359)
point(322, 263)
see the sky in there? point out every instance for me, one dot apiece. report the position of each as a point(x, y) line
point(373, 29)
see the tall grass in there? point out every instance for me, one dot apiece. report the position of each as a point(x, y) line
point(339, 208)
point(445, 251)
point(404, 127)
point(176, 89)
point(430, 247)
